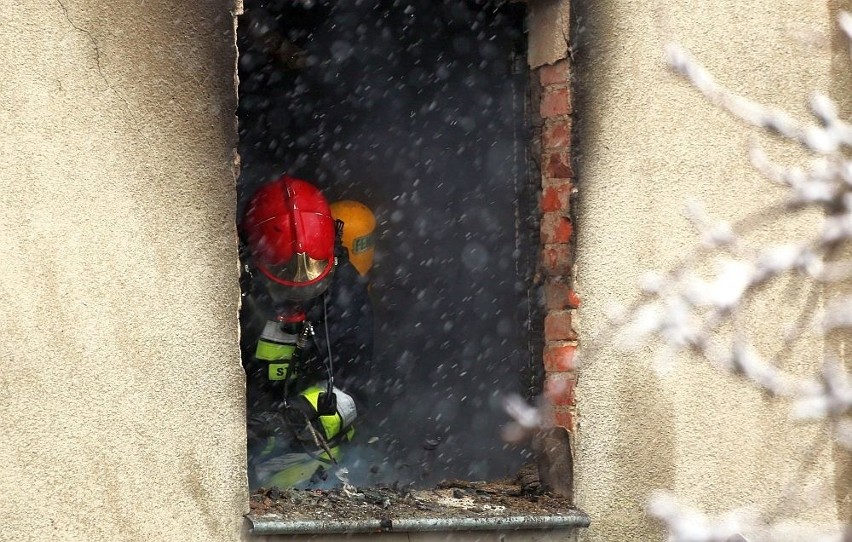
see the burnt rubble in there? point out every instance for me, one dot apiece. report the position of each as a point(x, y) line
point(522, 496)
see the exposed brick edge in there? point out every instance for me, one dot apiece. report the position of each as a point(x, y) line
point(556, 203)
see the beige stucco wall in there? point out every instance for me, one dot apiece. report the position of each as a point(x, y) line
point(648, 142)
point(548, 30)
point(121, 393)
point(841, 85)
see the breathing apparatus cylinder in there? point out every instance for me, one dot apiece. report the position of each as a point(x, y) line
point(281, 348)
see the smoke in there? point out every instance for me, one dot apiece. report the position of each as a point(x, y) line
point(412, 109)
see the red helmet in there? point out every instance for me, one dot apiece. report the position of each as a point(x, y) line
point(290, 234)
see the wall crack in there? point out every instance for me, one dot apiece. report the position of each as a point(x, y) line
point(97, 50)
point(91, 39)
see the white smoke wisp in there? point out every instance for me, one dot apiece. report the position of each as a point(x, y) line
point(526, 420)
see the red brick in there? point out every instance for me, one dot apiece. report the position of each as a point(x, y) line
point(564, 417)
point(557, 134)
point(555, 228)
point(556, 260)
point(573, 299)
point(559, 357)
point(558, 326)
point(557, 165)
point(555, 102)
point(554, 74)
point(556, 196)
point(559, 389)
point(556, 295)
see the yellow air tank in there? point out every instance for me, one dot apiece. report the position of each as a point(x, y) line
point(359, 226)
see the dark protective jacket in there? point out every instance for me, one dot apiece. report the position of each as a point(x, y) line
point(348, 316)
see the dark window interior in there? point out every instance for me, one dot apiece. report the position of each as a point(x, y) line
point(416, 109)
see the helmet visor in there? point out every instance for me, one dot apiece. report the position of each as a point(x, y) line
point(300, 269)
point(299, 279)
point(281, 293)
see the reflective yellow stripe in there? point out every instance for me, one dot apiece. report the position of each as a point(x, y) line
point(300, 469)
point(268, 351)
point(270, 445)
point(330, 423)
point(278, 371)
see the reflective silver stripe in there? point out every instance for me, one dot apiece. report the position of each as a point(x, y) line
point(345, 407)
point(272, 332)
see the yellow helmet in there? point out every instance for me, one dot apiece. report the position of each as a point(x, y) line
point(359, 226)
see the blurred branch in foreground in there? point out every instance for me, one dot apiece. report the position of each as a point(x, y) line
point(707, 313)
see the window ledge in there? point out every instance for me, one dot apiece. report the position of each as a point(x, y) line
point(467, 506)
point(280, 525)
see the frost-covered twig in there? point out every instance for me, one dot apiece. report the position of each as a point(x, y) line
point(825, 138)
point(707, 313)
point(688, 311)
point(686, 524)
point(845, 21)
point(526, 421)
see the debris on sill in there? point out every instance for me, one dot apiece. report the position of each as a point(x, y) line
point(450, 502)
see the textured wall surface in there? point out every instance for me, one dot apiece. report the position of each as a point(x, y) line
point(122, 407)
point(548, 24)
point(647, 143)
point(841, 90)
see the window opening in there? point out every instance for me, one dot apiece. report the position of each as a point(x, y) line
point(416, 110)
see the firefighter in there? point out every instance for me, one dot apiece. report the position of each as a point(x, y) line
point(358, 233)
point(307, 335)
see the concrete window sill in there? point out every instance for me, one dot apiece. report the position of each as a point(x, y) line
point(456, 507)
point(280, 525)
